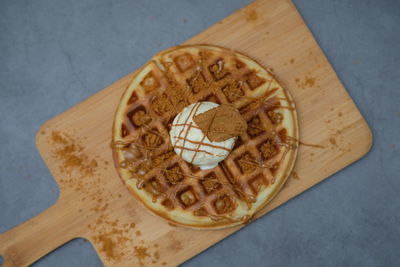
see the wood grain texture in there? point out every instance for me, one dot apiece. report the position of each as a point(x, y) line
point(97, 206)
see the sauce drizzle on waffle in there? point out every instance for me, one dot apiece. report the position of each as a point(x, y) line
point(178, 191)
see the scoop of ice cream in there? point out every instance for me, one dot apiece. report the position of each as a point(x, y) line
point(192, 144)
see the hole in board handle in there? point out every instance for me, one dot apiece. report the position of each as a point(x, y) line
point(1, 260)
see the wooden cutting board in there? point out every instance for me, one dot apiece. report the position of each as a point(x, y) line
point(93, 202)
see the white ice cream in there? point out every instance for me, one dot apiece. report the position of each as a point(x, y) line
point(191, 144)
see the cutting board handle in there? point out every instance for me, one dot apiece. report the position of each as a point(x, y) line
point(31, 240)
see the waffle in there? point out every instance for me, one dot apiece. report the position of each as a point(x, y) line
point(242, 184)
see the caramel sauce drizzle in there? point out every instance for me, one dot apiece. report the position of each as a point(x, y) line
point(200, 143)
point(202, 140)
point(266, 101)
point(197, 105)
point(196, 150)
point(187, 126)
point(311, 145)
point(182, 124)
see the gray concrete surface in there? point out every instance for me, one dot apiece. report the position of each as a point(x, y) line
point(54, 53)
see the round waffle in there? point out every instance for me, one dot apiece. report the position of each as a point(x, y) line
point(247, 179)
